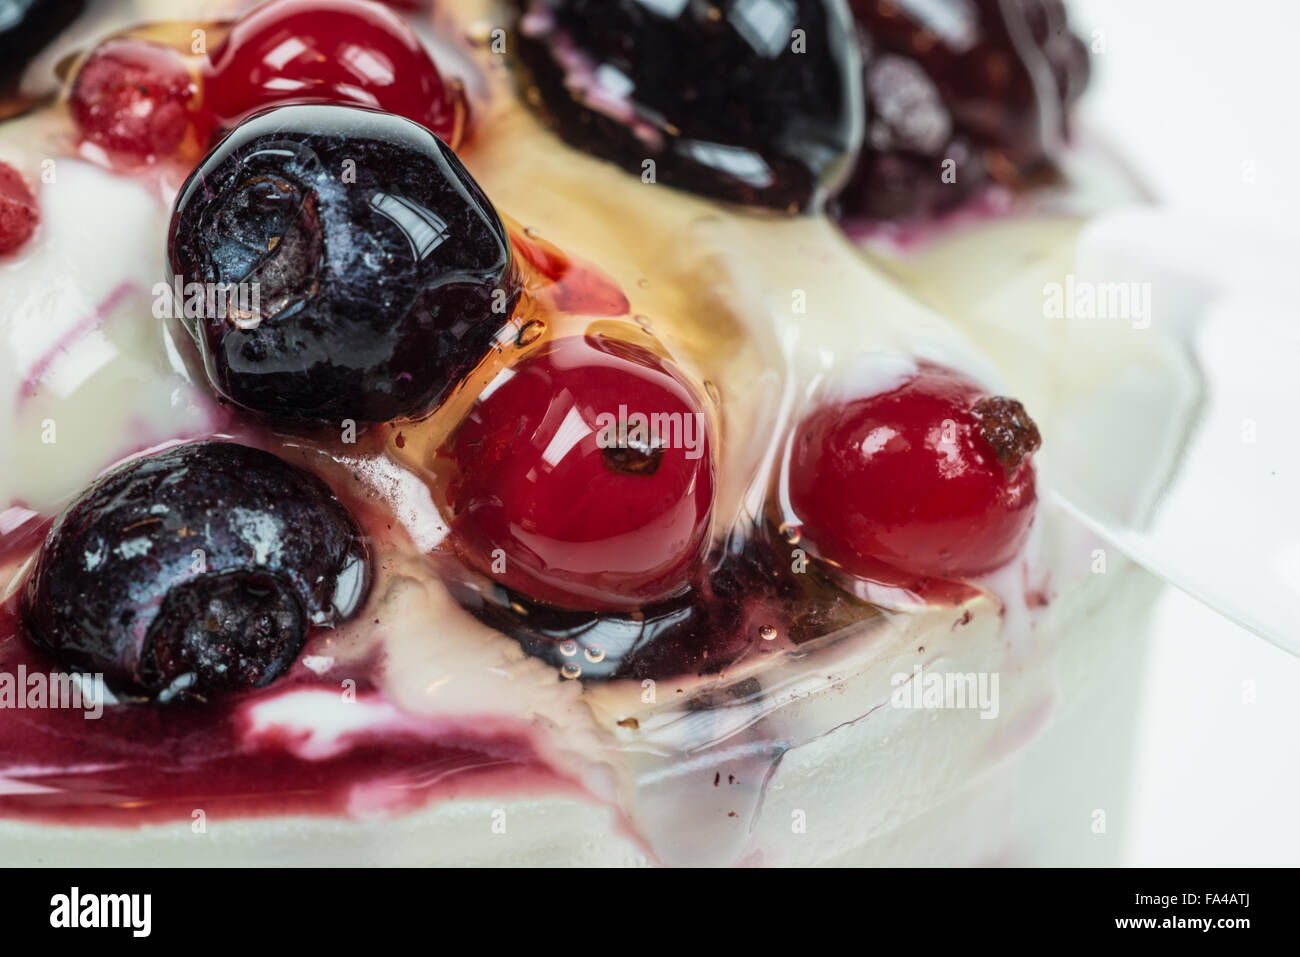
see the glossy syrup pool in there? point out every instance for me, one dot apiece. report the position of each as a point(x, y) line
point(746, 609)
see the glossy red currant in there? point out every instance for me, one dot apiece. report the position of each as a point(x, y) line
point(933, 479)
point(18, 212)
point(333, 51)
point(585, 477)
point(134, 97)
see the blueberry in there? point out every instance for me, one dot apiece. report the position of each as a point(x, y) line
point(26, 28)
point(752, 101)
point(658, 641)
point(704, 632)
point(195, 571)
point(381, 271)
point(959, 95)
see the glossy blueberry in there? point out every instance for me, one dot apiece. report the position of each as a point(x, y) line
point(718, 622)
point(959, 93)
point(195, 571)
point(752, 101)
point(381, 271)
point(26, 28)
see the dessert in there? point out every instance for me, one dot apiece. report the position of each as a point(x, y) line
point(597, 443)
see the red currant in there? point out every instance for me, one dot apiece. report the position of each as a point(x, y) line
point(336, 51)
point(134, 97)
point(586, 477)
point(932, 478)
point(18, 213)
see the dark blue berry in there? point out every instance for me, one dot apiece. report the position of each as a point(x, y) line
point(382, 271)
point(958, 94)
point(752, 101)
point(26, 28)
point(195, 571)
point(716, 624)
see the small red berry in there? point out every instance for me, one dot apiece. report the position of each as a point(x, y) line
point(18, 211)
point(557, 502)
point(932, 478)
point(134, 97)
point(334, 51)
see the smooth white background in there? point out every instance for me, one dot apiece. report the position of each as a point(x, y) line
point(1201, 96)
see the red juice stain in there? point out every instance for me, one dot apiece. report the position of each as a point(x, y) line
point(569, 285)
point(144, 763)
